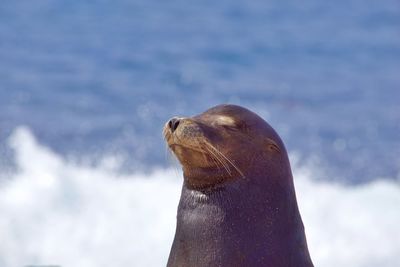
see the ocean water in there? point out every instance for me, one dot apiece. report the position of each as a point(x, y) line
point(86, 87)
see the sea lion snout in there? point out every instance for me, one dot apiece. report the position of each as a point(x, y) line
point(182, 129)
point(174, 123)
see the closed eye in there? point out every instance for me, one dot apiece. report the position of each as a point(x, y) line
point(229, 127)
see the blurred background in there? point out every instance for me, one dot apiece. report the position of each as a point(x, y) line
point(86, 87)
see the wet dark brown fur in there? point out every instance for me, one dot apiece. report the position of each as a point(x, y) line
point(238, 205)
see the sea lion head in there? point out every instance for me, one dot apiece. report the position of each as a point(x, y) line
point(225, 143)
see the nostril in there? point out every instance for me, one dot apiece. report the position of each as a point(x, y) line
point(173, 124)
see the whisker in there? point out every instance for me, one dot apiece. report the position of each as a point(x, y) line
point(225, 163)
point(220, 160)
point(217, 157)
point(169, 155)
point(226, 158)
point(205, 152)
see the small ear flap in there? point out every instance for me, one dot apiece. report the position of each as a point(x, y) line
point(272, 146)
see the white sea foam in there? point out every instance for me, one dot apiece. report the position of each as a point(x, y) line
point(58, 212)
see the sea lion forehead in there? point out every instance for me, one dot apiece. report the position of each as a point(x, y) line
point(232, 114)
point(242, 118)
point(229, 113)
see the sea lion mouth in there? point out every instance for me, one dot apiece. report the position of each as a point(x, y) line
point(175, 147)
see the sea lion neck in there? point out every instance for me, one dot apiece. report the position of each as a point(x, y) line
point(241, 191)
point(239, 223)
point(208, 179)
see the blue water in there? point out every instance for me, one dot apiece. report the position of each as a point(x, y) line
point(92, 78)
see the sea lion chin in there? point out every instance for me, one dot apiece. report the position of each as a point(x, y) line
point(238, 205)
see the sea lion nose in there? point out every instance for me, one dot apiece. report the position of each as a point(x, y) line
point(173, 123)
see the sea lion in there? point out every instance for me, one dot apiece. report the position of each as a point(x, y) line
point(238, 205)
